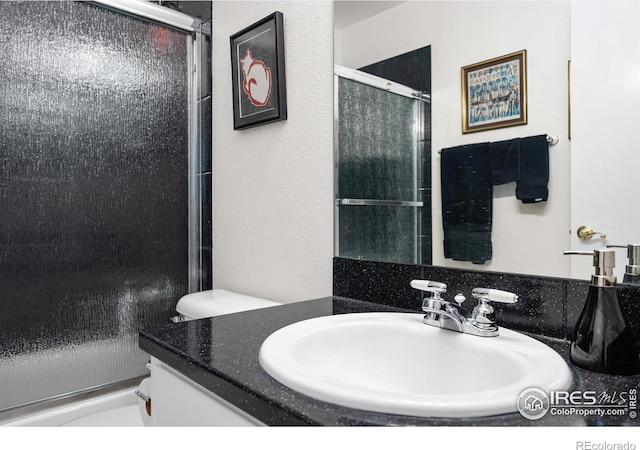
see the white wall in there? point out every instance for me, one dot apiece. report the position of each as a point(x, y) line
point(526, 238)
point(273, 184)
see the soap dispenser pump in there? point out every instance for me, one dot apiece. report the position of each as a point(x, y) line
point(602, 341)
point(632, 270)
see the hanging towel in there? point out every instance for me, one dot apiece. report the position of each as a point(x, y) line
point(466, 202)
point(505, 161)
point(533, 166)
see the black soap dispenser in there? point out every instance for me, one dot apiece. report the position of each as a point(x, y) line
point(602, 341)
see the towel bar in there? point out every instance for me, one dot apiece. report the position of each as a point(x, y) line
point(551, 139)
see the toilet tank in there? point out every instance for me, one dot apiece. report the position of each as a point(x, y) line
point(216, 302)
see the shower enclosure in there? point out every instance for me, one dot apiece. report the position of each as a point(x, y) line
point(99, 158)
point(379, 154)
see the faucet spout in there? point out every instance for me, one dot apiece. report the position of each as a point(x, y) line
point(443, 318)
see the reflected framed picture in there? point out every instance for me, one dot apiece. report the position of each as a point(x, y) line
point(258, 73)
point(494, 93)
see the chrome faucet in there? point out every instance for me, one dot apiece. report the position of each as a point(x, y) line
point(443, 314)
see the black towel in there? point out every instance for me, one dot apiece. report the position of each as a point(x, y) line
point(466, 202)
point(534, 169)
point(505, 161)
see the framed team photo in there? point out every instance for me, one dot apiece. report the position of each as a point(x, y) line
point(494, 93)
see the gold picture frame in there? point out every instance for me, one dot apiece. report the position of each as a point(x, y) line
point(494, 93)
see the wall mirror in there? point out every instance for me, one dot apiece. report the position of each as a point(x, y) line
point(590, 168)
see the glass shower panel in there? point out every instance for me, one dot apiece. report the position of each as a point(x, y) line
point(378, 174)
point(93, 193)
point(378, 233)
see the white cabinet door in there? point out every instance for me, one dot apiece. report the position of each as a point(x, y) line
point(178, 401)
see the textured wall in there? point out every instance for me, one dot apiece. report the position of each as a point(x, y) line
point(273, 184)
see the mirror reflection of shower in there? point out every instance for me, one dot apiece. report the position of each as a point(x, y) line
point(383, 160)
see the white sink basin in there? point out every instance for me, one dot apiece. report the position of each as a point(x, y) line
point(395, 364)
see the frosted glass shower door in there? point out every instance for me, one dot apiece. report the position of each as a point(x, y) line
point(94, 170)
point(378, 173)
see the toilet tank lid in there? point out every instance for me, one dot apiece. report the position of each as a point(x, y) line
point(218, 301)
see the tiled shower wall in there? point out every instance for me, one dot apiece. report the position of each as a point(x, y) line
point(546, 306)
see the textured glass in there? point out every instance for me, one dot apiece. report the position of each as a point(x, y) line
point(93, 188)
point(377, 138)
point(378, 158)
point(378, 233)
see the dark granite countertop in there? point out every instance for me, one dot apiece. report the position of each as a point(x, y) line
point(221, 354)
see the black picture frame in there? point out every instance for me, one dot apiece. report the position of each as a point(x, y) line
point(258, 73)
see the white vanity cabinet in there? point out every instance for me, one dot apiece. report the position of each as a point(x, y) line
point(178, 401)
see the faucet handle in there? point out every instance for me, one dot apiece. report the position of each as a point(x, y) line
point(435, 287)
point(483, 314)
point(494, 295)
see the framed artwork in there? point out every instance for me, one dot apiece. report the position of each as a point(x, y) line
point(494, 93)
point(257, 66)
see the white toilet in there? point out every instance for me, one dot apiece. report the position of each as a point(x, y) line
point(217, 302)
point(193, 306)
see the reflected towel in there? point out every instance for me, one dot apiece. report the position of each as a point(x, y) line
point(466, 202)
point(505, 160)
point(534, 169)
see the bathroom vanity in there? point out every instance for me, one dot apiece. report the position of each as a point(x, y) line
point(218, 357)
